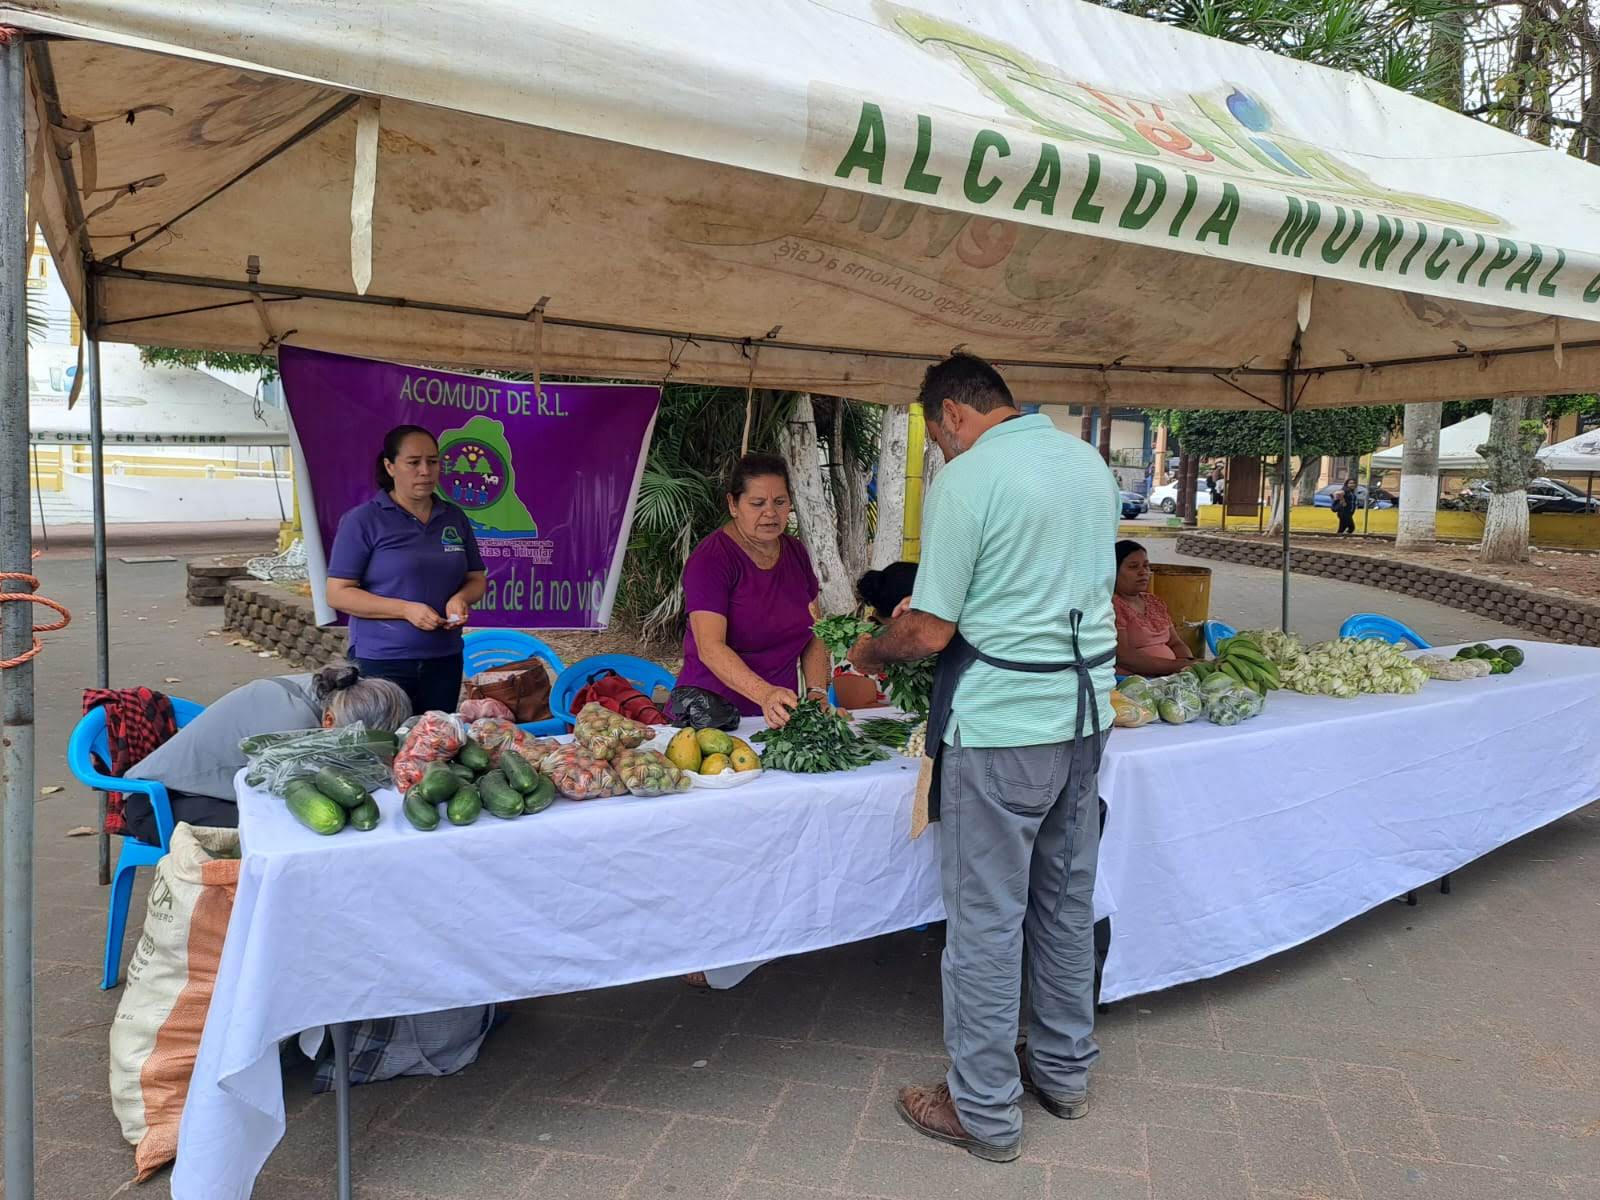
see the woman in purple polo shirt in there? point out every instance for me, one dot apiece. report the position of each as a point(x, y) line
point(405, 567)
point(751, 596)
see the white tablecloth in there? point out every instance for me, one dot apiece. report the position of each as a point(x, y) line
point(1223, 846)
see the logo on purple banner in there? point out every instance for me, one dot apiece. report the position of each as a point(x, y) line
point(546, 479)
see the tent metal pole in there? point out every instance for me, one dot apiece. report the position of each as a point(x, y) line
point(1285, 481)
point(97, 470)
point(16, 631)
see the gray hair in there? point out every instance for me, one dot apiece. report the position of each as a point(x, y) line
point(376, 703)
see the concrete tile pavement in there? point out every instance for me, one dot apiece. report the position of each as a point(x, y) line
point(1446, 1050)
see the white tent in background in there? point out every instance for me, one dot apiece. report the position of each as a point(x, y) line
point(1577, 455)
point(148, 406)
point(1458, 447)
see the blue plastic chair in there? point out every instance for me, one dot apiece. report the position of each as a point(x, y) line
point(643, 674)
point(1385, 629)
point(1214, 632)
point(486, 649)
point(89, 737)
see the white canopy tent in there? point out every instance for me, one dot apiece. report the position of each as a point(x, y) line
point(1577, 455)
point(800, 195)
point(1458, 447)
point(786, 195)
point(148, 406)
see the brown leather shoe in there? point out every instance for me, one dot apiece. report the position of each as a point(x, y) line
point(932, 1113)
point(1068, 1108)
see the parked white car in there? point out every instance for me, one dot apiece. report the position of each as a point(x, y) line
point(1166, 497)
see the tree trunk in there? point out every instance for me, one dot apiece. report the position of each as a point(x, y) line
point(1189, 485)
point(1278, 493)
point(1185, 496)
point(1105, 433)
point(888, 540)
point(1419, 478)
point(1306, 480)
point(1509, 453)
point(1158, 477)
point(813, 506)
point(849, 500)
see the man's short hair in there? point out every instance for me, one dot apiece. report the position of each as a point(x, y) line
point(966, 379)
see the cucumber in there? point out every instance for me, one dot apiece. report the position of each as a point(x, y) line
point(343, 787)
point(462, 772)
point(474, 757)
point(421, 813)
point(365, 816)
point(519, 771)
point(499, 797)
point(311, 808)
point(438, 784)
point(465, 806)
point(542, 796)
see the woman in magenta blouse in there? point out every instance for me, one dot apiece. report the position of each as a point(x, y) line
point(751, 596)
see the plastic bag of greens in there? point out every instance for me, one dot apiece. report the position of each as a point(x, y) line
point(1180, 706)
point(346, 748)
point(1233, 704)
point(1136, 688)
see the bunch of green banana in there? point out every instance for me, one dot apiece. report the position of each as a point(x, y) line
point(1243, 660)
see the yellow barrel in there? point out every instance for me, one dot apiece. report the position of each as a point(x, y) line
point(1186, 591)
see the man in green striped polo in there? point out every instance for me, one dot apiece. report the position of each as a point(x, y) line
point(1014, 594)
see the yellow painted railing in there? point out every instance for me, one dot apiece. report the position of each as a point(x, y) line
point(1571, 530)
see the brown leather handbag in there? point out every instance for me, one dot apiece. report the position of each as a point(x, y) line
point(523, 687)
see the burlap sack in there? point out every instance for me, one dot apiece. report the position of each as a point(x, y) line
point(156, 1034)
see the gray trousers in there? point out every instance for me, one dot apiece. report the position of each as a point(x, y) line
point(1018, 848)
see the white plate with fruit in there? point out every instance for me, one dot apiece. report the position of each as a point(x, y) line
point(713, 759)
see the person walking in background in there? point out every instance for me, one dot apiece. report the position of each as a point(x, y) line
point(1014, 595)
point(1345, 501)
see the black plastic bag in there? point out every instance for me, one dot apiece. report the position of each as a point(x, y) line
point(696, 708)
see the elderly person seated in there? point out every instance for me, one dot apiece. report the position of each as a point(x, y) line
point(1147, 641)
point(198, 763)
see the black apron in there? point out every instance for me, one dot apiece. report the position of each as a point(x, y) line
point(960, 654)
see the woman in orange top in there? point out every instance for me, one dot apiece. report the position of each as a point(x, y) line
point(1147, 641)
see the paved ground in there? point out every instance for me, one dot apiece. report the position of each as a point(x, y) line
point(1442, 1052)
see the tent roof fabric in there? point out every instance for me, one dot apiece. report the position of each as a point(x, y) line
point(1576, 454)
point(1458, 447)
point(801, 195)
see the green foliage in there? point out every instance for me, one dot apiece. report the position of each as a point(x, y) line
point(1258, 433)
point(216, 360)
point(1386, 40)
point(681, 494)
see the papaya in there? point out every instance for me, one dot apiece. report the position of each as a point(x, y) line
point(713, 741)
point(683, 751)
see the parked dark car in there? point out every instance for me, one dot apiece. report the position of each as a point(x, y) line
point(1134, 506)
point(1553, 496)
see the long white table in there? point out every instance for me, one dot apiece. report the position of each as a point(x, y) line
point(1222, 846)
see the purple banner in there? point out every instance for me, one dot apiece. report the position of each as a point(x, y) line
point(548, 480)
